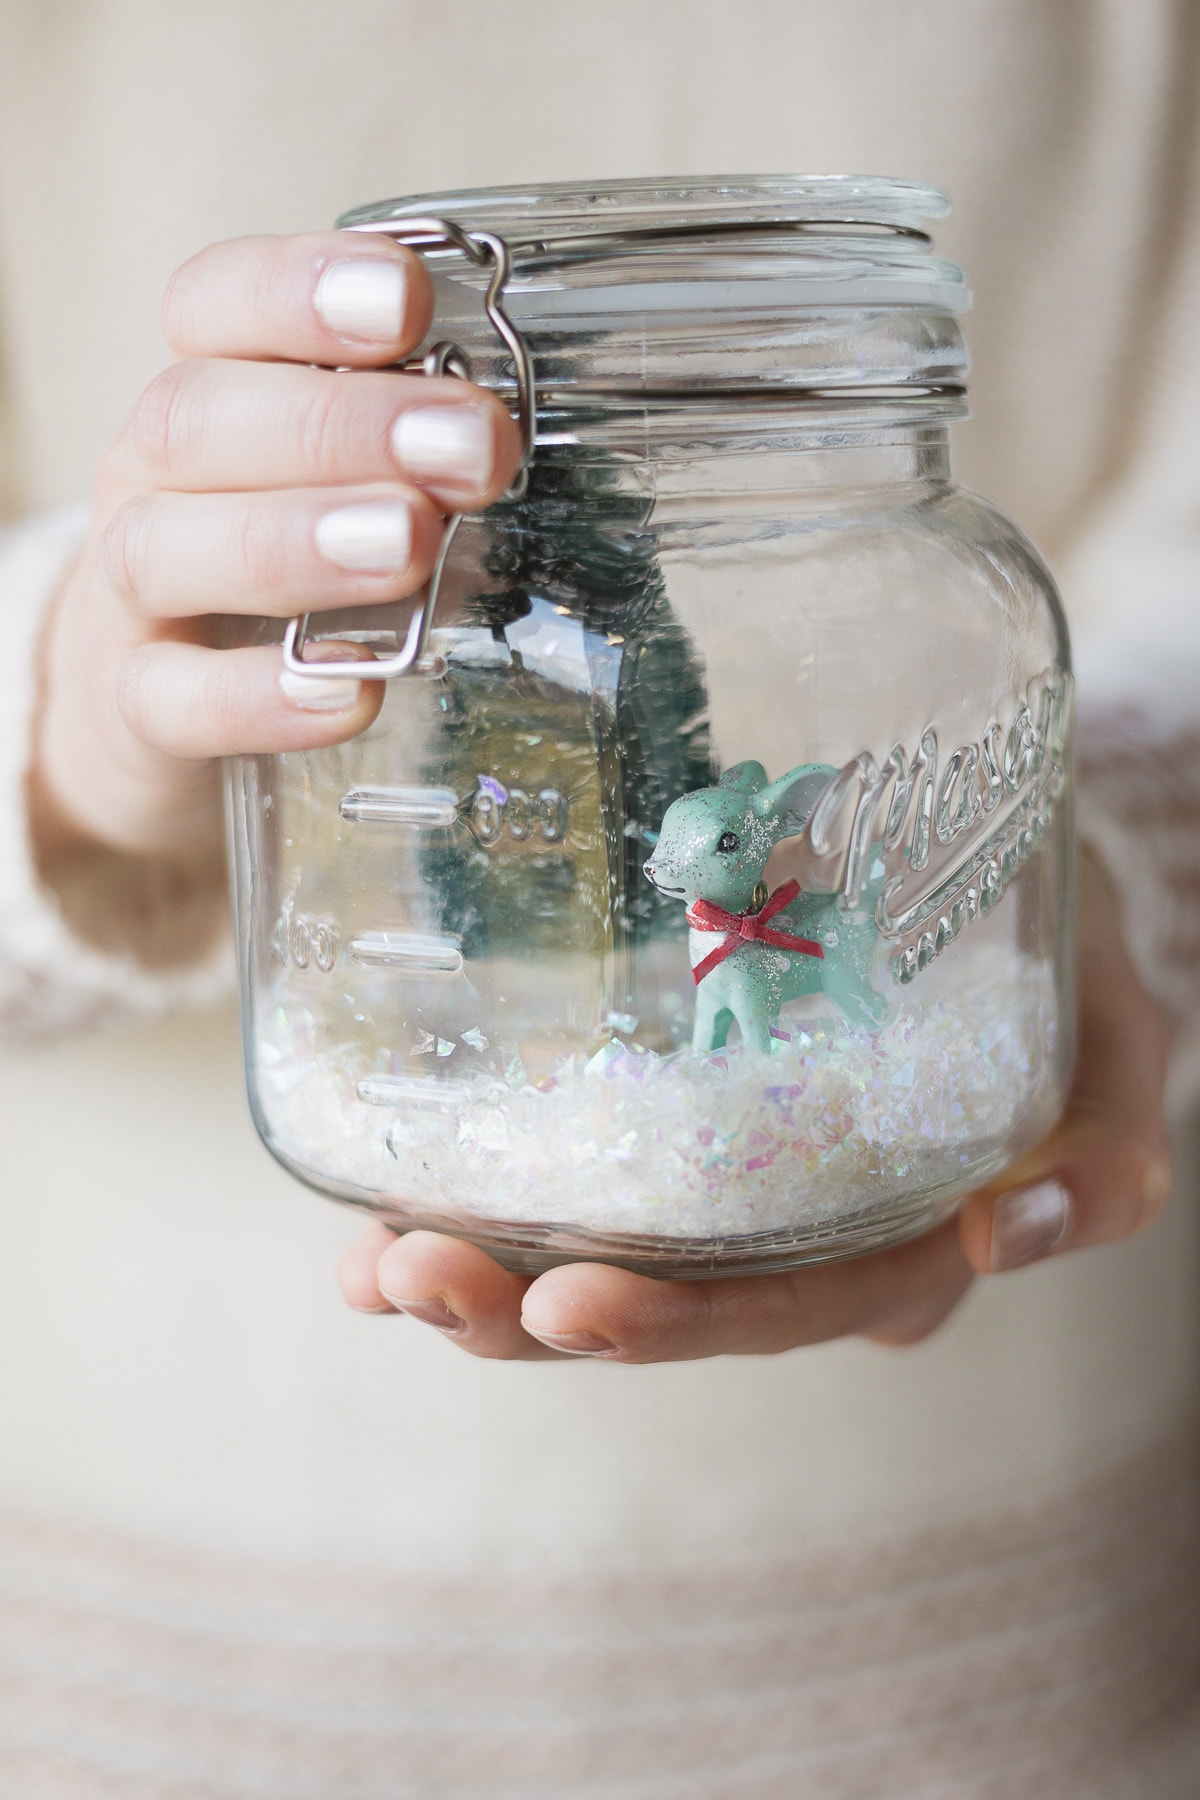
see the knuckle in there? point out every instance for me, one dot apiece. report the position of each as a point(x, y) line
point(113, 473)
point(1122, 1183)
point(219, 712)
point(125, 552)
point(277, 281)
point(163, 419)
point(327, 426)
point(260, 545)
point(269, 280)
point(919, 1324)
point(187, 708)
point(131, 697)
point(178, 303)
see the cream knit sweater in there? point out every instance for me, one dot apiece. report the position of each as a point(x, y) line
point(252, 1545)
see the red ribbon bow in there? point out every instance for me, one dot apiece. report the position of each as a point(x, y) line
point(747, 928)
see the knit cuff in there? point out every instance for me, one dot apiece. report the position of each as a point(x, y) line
point(51, 980)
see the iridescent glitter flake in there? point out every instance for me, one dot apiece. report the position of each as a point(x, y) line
point(831, 1122)
point(623, 1022)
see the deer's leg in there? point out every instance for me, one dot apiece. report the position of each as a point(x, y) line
point(704, 1025)
point(710, 1025)
point(754, 1021)
point(855, 999)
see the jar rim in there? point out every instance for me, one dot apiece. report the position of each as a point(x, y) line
point(523, 212)
point(699, 245)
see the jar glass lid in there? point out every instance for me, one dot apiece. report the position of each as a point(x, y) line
point(675, 245)
point(686, 285)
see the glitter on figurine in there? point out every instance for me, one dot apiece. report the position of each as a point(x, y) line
point(712, 854)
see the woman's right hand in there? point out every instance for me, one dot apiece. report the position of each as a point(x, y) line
point(249, 481)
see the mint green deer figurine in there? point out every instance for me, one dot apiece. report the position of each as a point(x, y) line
point(752, 952)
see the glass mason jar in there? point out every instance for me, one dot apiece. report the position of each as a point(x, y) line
point(702, 898)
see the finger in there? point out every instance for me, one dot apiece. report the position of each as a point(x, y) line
point(462, 1291)
point(358, 1272)
point(211, 427)
point(174, 556)
point(1104, 1172)
point(1101, 1175)
point(327, 297)
point(896, 1295)
point(197, 703)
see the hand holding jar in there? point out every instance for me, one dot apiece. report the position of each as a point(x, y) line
point(248, 481)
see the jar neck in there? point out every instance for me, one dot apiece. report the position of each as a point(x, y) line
point(901, 458)
point(740, 470)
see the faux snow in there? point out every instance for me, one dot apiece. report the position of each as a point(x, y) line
point(834, 1121)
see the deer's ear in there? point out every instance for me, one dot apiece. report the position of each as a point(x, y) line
point(793, 798)
point(744, 778)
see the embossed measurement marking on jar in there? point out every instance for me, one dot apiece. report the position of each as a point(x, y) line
point(424, 809)
point(306, 942)
point(407, 950)
point(494, 811)
point(410, 1090)
point(498, 811)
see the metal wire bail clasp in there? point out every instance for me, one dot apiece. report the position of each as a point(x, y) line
point(484, 249)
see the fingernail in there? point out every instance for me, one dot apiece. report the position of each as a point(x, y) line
point(376, 534)
point(430, 1312)
point(320, 693)
point(1029, 1223)
point(363, 300)
point(575, 1343)
point(446, 443)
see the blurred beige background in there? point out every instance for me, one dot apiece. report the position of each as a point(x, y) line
point(172, 1291)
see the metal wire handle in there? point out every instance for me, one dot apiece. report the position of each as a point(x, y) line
point(483, 248)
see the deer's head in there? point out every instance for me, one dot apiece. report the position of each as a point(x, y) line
point(715, 843)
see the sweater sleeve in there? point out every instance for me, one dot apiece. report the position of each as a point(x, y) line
point(1139, 779)
point(1132, 586)
point(51, 980)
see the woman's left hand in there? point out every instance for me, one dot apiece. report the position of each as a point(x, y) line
point(1103, 1173)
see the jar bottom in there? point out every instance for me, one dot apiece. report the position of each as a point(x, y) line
point(530, 1250)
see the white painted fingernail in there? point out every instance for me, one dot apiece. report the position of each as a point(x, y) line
point(1028, 1223)
point(320, 693)
point(363, 300)
point(376, 534)
point(447, 443)
point(575, 1343)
